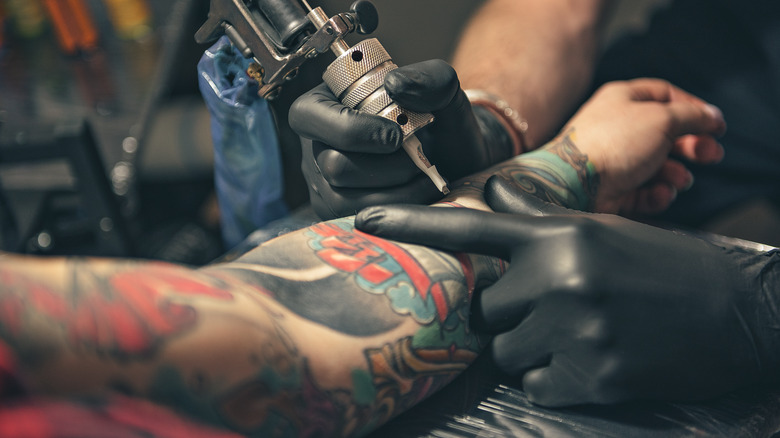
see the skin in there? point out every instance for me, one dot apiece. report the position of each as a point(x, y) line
point(641, 164)
point(325, 331)
point(219, 344)
point(257, 345)
point(553, 46)
point(539, 56)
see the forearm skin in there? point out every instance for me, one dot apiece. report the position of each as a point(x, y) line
point(539, 56)
point(326, 331)
point(217, 344)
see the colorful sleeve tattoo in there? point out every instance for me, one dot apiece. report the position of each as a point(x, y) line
point(322, 332)
point(559, 173)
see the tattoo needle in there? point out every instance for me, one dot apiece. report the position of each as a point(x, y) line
point(414, 149)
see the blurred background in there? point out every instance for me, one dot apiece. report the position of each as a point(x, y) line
point(105, 146)
point(104, 141)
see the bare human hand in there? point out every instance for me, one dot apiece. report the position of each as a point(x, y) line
point(633, 132)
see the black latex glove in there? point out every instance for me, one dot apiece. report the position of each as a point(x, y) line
point(598, 309)
point(352, 160)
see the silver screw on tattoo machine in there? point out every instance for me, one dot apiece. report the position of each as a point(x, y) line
point(277, 35)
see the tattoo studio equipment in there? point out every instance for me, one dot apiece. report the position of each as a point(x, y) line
point(279, 36)
point(85, 218)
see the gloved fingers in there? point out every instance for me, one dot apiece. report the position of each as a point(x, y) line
point(451, 229)
point(427, 86)
point(564, 383)
point(702, 149)
point(357, 170)
point(578, 376)
point(462, 145)
point(332, 202)
point(318, 115)
point(521, 349)
point(506, 196)
point(505, 304)
point(458, 147)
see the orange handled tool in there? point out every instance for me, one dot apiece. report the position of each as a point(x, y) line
point(73, 25)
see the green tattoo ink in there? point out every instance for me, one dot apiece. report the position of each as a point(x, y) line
point(568, 176)
point(365, 391)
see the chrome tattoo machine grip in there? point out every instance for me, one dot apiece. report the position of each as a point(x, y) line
point(278, 35)
point(357, 78)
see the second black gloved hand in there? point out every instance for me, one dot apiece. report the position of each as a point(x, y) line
point(596, 308)
point(352, 160)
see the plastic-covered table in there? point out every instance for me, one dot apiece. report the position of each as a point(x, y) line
point(484, 403)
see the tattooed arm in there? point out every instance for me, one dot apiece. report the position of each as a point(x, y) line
point(324, 331)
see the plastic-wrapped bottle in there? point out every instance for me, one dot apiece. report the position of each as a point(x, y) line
point(247, 161)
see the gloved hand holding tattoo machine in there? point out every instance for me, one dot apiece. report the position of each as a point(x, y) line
point(280, 36)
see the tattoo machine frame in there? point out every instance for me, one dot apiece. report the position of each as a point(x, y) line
point(280, 36)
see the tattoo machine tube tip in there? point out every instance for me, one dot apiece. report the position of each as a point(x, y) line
point(413, 148)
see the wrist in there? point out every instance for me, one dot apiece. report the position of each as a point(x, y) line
point(497, 143)
point(569, 177)
point(513, 125)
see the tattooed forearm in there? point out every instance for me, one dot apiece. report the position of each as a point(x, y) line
point(123, 313)
point(406, 305)
point(558, 173)
point(322, 332)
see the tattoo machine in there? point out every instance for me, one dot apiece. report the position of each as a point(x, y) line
point(280, 35)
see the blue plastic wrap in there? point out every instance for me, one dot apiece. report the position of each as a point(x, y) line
point(247, 163)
